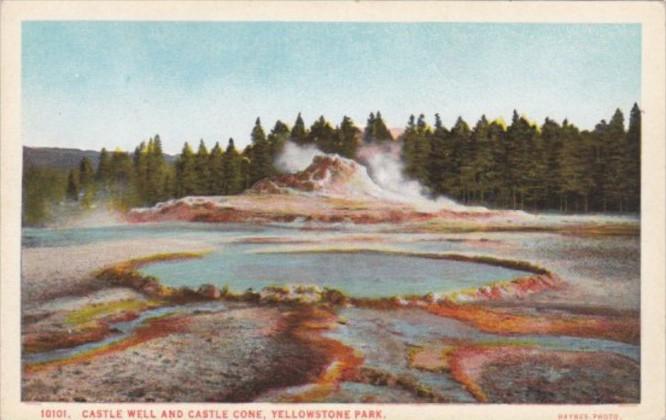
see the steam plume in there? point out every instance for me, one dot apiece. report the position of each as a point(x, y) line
point(385, 171)
point(295, 158)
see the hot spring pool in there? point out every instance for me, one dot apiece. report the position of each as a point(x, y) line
point(358, 274)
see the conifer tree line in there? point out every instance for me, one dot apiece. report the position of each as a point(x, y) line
point(554, 166)
point(529, 167)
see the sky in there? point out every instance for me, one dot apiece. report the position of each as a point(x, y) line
point(90, 85)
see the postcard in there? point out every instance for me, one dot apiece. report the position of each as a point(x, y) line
point(333, 210)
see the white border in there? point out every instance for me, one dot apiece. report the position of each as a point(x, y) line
point(649, 14)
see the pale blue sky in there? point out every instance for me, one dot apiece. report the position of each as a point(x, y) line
point(113, 84)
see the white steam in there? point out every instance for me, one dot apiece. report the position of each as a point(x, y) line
point(295, 158)
point(385, 175)
point(386, 168)
point(100, 214)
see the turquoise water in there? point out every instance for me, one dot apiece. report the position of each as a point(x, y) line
point(428, 327)
point(237, 266)
point(124, 329)
point(241, 266)
point(384, 338)
point(359, 274)
point(42, 237)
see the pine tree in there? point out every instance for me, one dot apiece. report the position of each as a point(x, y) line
point(598, 141)
point(348, 138)
point(73, 185)
point(551, 137)
point(121, 168)
point(483, 169)
point(157, 172)
point(421, 149)
point(245, 169)
point(261, 164)
point(299, 134)
point(438, 164)
point(103, 175)
point(86, 172)
point(459, 153)
point(186, 175)
point(576, 178)
point(409, 139)
point(468, 155)
point(234, 181)
point(140, 160)
point(381, 133)
point(277, 138)
point(518, 135)
point(497, 140)
point(609, 162)
point(86, 182)
point(533, 169)
point(216, 170)
point(376, 130)
point(368, 131)
point(122, 188)
point(169, 185)
point(201, 162)
point(616, 149)
point(43, 189)
point(416, 150)
point(322, 135)
point(633, 165)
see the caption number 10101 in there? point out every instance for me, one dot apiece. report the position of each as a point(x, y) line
point(53, 414)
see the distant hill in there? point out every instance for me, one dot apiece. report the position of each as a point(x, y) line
point(62, 158)
point(56, 157)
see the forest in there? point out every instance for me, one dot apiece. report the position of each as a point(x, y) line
point(521, 165)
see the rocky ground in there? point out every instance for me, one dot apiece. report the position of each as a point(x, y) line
point(94, 329)
point(231, 354)
point(49, 273)
point(533, 375)
point(271, 351)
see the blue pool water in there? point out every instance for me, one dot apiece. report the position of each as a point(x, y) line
point(359, 274)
